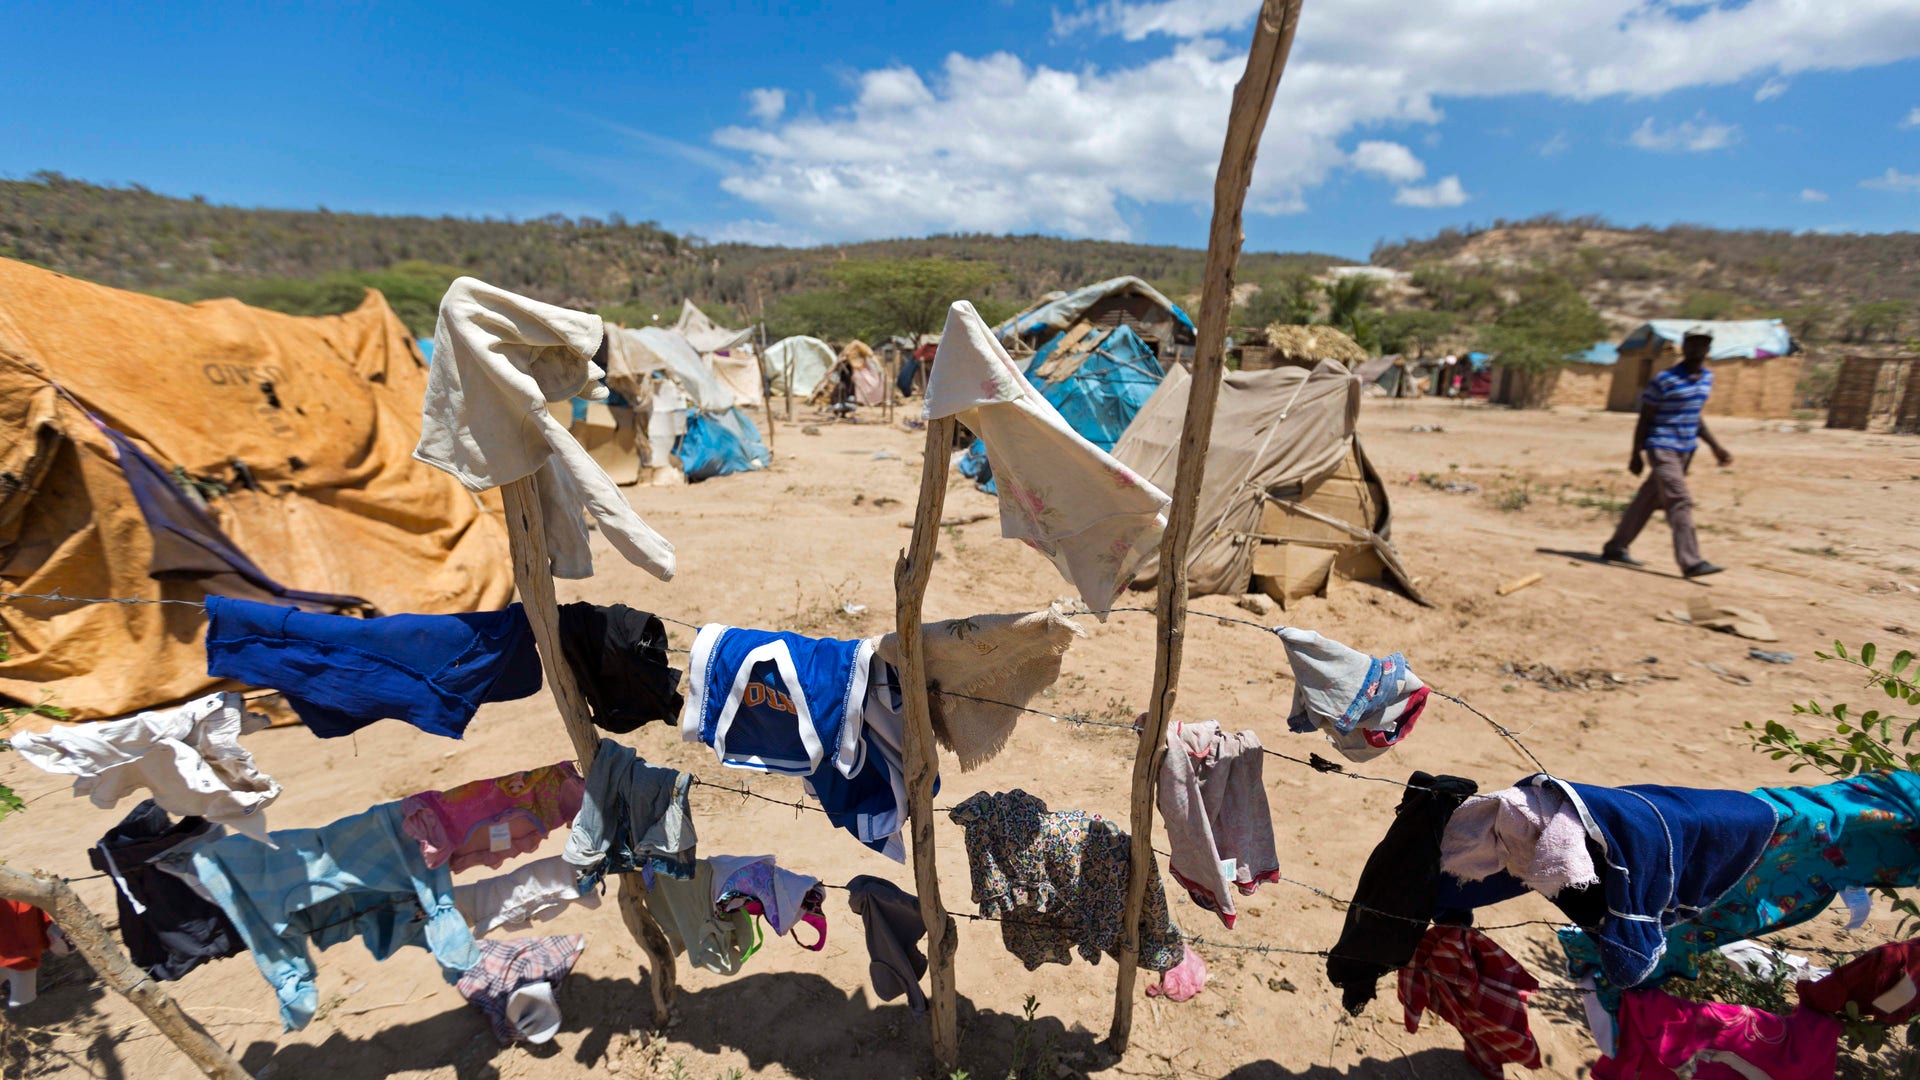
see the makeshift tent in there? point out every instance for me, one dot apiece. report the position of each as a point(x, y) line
point(704, 334)
point(727, 441)
point(1098, 385)
point(1289, 499)
point(807, 358)
point(739, 368)
point(1754, 370)
point(295, 434)
point(1122, 301)
point(1388, 376)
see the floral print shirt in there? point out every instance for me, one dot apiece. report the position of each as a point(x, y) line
point(1058, 882)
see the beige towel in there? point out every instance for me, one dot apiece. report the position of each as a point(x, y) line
point(1002, 658)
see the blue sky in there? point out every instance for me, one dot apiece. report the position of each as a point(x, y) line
point(818, 122)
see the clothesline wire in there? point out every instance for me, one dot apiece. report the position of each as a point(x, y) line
point(56, 596)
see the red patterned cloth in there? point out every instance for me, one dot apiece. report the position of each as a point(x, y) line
point(1471, 982)
point(1882, 983)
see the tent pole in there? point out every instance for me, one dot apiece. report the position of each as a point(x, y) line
point(1252, 100)
point(766, 392)
point(910, 576)
point(90, 938)
point(527, 537)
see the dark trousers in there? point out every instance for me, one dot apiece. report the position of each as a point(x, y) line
point(1664, 489)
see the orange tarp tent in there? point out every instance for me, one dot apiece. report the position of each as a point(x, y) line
point(310, 425)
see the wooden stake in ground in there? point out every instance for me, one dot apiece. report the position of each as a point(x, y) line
point(527, 537)
point(90, 938)
point(766, 393)
point(1252, 100)
point(910, 576)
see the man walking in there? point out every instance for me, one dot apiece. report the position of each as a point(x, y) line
point(1669, 428)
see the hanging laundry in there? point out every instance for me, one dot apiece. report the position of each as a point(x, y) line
point(167, 927)
point(1469, 981)
point(498, 359)
point(1364, 704)
point(776, 701)
point(1664, 1038)
point(1213, 798)
point(666, 424)
point(1182, 981)
point(1060, 494)
point(781, 895)
point(487, 822)
point(341, 674)
point(891, 918)
point(361, 875)
point(529, 893)
point(987, 668)
point(527, 969)
point(189, 756)
point(872, 803)
point(1058, 882)
point(1398, 890)
point(189, 545)
point(1882, 983)
point(1671, 853)
point(635, 816)
point(619, 658)
point(1533, 833)
point(713, 940)
point(1860, 831)
point(24, 939)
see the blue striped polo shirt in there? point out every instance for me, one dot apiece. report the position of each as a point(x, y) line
point(1677, 401)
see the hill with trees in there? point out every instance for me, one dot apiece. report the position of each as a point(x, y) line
point(1520, 287)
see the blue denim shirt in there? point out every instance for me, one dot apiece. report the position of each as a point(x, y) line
point(360, 875)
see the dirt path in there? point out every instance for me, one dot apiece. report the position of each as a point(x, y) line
point(1816, 524)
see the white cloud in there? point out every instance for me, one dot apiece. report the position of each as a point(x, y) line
point(1447, 192)
point(1557, 145)
point(1812, 195)
point(1772, 88)
point(1894, 180)
point(767, 103)
point(1388, 160)
point(1913, 118)
point(1694, 136)
point(992, 142)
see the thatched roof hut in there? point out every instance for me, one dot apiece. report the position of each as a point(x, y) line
point(1305, 346)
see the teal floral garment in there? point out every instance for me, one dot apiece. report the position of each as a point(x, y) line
point(1864, 830)
point(1058, 882)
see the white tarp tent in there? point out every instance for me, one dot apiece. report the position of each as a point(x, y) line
point(808, 358)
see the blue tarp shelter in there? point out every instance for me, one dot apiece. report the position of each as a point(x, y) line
point(1098, 390)
point(720, 444)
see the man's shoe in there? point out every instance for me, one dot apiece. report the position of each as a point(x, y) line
point(1702, 569)
point(1621, 557)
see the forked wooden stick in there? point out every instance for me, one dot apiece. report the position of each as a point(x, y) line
point(527, 537)
point(89, 937)
point(910, 577)
point(1252, 100)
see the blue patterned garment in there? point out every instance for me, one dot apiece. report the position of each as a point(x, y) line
point(360, 875)
point(1861, 831)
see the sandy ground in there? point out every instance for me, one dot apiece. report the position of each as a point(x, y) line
point(1817, 525)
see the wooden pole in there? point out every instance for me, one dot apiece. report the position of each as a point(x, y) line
point(1252, 100)
point(766, 393)
point(527, 537)
point(910, 576)
point(89, 936)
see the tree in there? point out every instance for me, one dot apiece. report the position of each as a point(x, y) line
point(1413, 331)
point(1878, 320)
point(1538, 331)
point(910, 296)
point(1293, 300)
